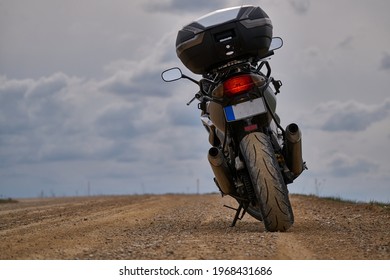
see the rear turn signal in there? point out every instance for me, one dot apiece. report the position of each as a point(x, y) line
point(237, 85)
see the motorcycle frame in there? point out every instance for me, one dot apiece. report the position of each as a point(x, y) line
point(236, 130)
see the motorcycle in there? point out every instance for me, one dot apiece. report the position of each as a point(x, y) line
point(252, 156)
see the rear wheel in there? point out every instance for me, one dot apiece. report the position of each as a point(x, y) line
point(254, 212)
point(271, 191)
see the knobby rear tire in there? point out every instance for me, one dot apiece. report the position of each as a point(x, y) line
point(271, 191)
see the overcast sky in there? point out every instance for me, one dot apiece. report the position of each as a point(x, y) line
point(82, 102)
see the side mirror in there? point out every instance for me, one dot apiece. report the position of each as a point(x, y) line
point(276, 43)
point(172, 74)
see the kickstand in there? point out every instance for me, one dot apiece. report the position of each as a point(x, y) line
point(238, 212)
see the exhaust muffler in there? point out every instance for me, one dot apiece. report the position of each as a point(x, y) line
point(294, 159)
point(221, 170)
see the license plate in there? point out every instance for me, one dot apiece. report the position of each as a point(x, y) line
point(244, 110)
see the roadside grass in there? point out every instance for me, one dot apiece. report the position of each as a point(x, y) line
point(371, 203)
point(385, 206)
point(7, 200)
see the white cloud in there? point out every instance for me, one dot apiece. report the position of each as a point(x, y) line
point(129, 120)
point(385, 62)
point(189, 6)
point(347, 116)
point(342, 165)
point(347, 43)
point(38, 118)
point(301, 7)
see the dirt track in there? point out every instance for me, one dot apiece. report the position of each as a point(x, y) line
point(187, 227)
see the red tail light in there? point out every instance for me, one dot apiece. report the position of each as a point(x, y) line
point(237, 85)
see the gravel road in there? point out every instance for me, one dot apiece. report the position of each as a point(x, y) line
point(187, 227)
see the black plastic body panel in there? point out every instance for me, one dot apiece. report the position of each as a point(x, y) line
point(242, 33)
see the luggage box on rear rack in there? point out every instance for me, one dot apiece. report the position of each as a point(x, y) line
point(223, 36)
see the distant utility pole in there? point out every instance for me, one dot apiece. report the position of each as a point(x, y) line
point(89, 188)
point(197, 186)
